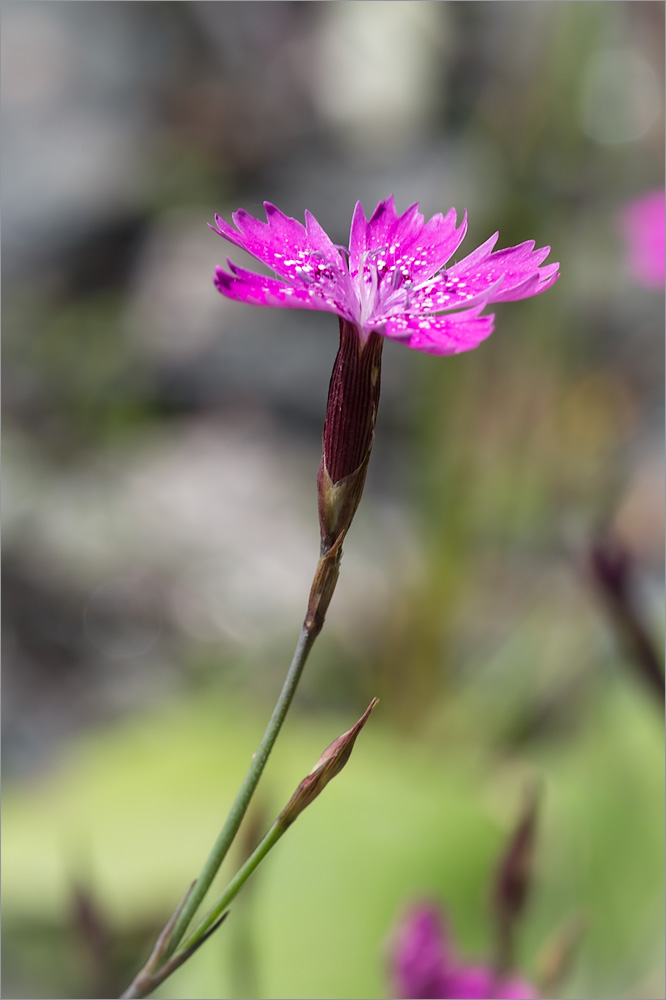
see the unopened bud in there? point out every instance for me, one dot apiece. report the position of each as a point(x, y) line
point(611, 566)
point(613, 574)
point(514, 877)
point(351, 411)
point(329, 764)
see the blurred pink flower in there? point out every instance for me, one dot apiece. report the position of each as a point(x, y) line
point(642, 222)
point(425, 966)
point(392, 280)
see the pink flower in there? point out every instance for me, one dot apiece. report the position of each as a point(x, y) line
point(392, 280)
point(425, 966)
point(642, 223)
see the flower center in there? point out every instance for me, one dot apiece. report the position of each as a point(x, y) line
point(382, 289)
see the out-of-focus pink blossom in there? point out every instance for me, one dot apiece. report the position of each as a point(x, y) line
point(393, 279)
point(425, 966)
point(643, 224)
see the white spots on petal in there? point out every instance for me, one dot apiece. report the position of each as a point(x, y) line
point(401, 283)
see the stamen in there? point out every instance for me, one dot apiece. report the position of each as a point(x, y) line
point(373, 253)
point(397, 280)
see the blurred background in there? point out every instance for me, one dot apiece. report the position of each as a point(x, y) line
point(160, 527)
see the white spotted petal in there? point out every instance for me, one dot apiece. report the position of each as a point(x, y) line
point(393, 279)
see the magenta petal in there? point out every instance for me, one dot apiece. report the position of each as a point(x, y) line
point(406, 244)
point(359, 225)
point(291, 236)
point(385, 230)
point(448, 291)
point(479, 983)
point(534, 285)
point(642, 222)
point(481, 253)
point(279, 232)
point(420, 956)
point(290, 249)
point(259, 290)
point(394, 280)
point(424, 966)
point(433, 246)
point(319, 238)
point(514, 273)
point(450, 334)
point(407, 226)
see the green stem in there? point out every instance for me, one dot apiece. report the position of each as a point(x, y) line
point(321, 592)
point(237, 882)
point(146, 980)
point(250, 782)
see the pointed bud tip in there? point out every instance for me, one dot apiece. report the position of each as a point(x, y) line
point(514, 871)
point(331, 762)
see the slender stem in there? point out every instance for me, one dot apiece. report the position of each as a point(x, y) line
point(242, 800)
point(147, 981)
point(321, 592)
point(354, 390)
point(142, 983)
point(236, 884)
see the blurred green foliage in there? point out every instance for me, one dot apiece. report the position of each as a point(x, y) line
point(132, 809)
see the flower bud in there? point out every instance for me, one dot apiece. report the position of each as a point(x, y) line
point(513, 879)
point(329, 764)
point(613, 575)
point(353, 399)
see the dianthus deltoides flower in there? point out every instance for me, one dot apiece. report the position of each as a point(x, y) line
point(642, 222)
point(426, 967)
point(392, 282)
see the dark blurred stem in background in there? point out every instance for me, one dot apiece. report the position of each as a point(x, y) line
point(612, 570)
